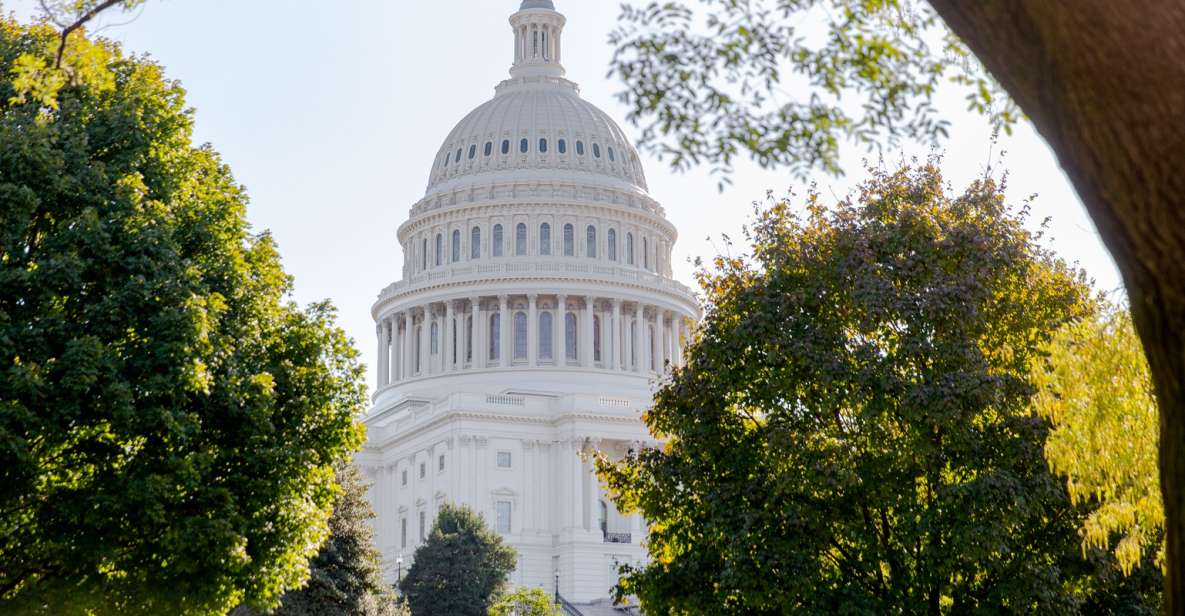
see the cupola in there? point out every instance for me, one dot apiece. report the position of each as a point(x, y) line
point(537, 35)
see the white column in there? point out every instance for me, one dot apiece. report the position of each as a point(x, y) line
point(615, 337)
point(561, 330)
point(576, 501)
point(504, 327)
point(592, 498)
point(466, 337)
point(381, 367)
point(587, 349)
point(639, 335)
point(480, 351)
point(409, 344)
point(658, 359)
point(425, 349)
point(532, 331)
point(448, 357)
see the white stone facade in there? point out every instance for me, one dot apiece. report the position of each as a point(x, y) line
point(535, 310)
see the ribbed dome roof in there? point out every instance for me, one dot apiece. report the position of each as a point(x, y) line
point(536, 4)
point(560, 131)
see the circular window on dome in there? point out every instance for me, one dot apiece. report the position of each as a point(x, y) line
point(596, 151)
point(505, 146)
point(542, 146)
point(563, 146)
point(612, 158)
point(473, 151)
point(580, 148)
point(524, 145)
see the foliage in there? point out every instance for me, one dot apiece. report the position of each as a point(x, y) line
point(168, 419)
point(461, 569)
point(1096, 391)
point(768, 78)
point(852, 432)
point(346, 575)
point(526, 602)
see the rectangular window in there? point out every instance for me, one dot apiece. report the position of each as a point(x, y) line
point(403, 532)
point(440, 463)
point(423, 527)
point(503, 510)
point(404, 477)
point(503, 459)
point(423, 470)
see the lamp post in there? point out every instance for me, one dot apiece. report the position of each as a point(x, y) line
point(398, 570)
point(557, 586)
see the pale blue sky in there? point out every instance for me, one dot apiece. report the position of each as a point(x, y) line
point(331, 113)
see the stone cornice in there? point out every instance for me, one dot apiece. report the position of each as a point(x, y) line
point(455, 415)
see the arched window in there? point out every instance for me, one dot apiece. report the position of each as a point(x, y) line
point(590, 242)
point(596, 150)
point(475, 243)
point(612, 158)
point(524, 145)
point(545, 331)
point(542, 146)
point(520, 335)
point(570, 336)
point(520, 240)
point(473, 151)
point(496, 247)
point(468, 338)
point(545, 239)
point(563, 146)
point(629, 248)
point(424, 255)
point(505, 146)
point(458, 158)
point(489, 149)
point(456, 245)
point(646, 253)
point(446, 157)
point(435, 344)
point(569, 240)
point(495, 336)
point(439, 249)
point(579, 148)
point(419, 348)
point(612, 244)
point(596, 338)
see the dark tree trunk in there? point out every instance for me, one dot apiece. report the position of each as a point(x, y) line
point(1104, 83)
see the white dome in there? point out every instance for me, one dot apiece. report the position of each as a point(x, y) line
point(557, 129)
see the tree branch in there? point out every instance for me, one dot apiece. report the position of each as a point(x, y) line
point(78, 23)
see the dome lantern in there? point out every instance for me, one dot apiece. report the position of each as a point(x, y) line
point(538, 28)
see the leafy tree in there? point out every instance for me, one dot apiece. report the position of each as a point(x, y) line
point(346, 575)
point(526, 602)
point(1096, 392)
point(852, 432)
point(785, 81)
point(168, 419)
point(461, 569)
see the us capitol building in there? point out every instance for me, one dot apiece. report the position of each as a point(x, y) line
point(535, 311)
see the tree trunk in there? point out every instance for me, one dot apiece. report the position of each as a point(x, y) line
point(1104, 83)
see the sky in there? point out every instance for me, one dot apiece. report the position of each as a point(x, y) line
point(330, 113)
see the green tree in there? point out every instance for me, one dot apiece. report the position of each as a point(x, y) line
point(1096, 392)
point(853, 431)
point(169, 420)
point(526, 602)
point(461, 569)
point(786, 81)
point(346, 574)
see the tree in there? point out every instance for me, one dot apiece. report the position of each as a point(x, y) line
point(461, 569)
point(526, 602)
point(1100, 80)
point(852, 431)
point(346, 574)
point(168, 418)
point(1096, 392)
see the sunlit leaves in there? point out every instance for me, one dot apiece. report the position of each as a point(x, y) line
point(786, 82)
point(1097, 392)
